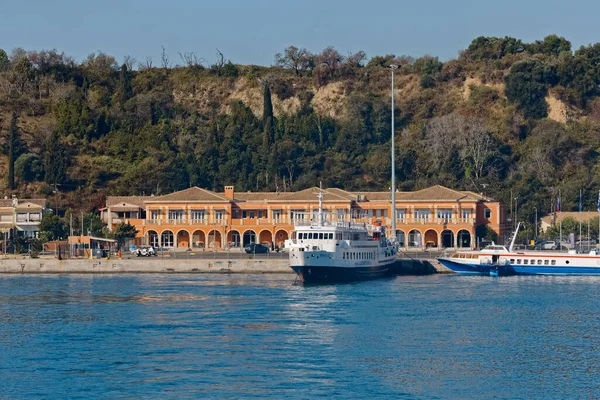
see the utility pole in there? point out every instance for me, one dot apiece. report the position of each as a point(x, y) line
point(536, 225)
point(71, 245)
point(393, 68)
point(516, 208)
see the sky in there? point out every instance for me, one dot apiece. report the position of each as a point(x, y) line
point(253, 31)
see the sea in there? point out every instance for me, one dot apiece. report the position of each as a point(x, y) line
point(152, 336)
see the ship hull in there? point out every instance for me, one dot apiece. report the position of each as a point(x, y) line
point(491, 269)
point(330, 274)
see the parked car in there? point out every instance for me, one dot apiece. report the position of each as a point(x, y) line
point(256, 248)
point(586, 242)
point(144, 251)
point(547, 245)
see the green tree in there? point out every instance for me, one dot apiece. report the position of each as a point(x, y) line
point(125, 91)
point(92, 224)
point(52, 227)
point(29, 168)
point(56, 160)
point(15, 149)
point(4, 61)
point(526, 87)
point(552, 45)
point(493, 48)
point(122, 232)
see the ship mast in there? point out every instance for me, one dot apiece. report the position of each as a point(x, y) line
point(393, 67)
point(320, 215)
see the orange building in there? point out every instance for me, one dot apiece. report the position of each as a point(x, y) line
point(197, 218)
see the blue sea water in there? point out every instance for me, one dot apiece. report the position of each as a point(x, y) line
point(244, 336)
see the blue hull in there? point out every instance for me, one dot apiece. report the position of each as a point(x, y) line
point(489, 269)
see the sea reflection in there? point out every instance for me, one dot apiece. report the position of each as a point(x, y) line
point(240, 336)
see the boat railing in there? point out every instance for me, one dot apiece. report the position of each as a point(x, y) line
point(332, 224)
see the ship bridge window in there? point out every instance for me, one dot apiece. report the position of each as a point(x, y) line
point(519, 261)
point(545, 262)
point(553, 262)
point(321, 235)
point(512, 260)
point(539, 262)
point(310, 235)
point(525, 262)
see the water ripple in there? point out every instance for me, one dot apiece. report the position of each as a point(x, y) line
point(221, 336)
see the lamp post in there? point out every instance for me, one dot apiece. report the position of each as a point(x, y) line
point(516, 207)
point(393, 67)
point(536, 224)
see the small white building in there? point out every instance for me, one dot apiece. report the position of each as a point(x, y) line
point(21, 217)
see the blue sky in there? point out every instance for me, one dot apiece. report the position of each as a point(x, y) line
point(252, 31)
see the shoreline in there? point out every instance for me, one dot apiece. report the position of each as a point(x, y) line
point(82, 266)
point(188, 266)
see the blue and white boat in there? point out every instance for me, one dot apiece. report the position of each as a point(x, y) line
point(498, 260)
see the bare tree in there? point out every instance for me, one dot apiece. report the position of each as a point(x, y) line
point(191, 59)
point(147, 64)
point(294, 58)
point(164, 58)
point(129, 61)
point(356, 60)
point(218, 66)
point(330, 59)
point(469, 136)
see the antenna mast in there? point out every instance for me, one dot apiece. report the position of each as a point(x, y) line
point(320, 215)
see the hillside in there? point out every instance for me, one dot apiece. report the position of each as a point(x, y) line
point(505, 115)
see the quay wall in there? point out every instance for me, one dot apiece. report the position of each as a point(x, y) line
point(152, 265)
point(161, 265)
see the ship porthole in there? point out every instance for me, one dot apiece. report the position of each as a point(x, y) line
point(567, 261)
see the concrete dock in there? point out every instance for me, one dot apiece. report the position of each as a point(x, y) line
point(172, 265)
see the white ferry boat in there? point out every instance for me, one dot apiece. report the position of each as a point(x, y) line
point(321, 250)
point(498, 260)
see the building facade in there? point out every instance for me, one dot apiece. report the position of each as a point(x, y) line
point(198, 218)
point(21, 217)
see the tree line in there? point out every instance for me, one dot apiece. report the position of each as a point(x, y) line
point(97, 127)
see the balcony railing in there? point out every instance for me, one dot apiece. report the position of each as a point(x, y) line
point(296, 221)
point(181, 222)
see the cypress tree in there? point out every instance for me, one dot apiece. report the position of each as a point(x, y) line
point(55, 160)
point(125, 91)
point(267, 119)
point(16, 147)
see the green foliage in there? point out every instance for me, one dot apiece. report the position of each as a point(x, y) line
point(230, 70)
point(122, 232)
point(381, 61)
point(487, 233)
point(125, 91)
point(526, 87)
point(4, 61)
point(154, 131)
point(92, 224)
point(52, 227)
point(493, 48)
point(56, 160)
point(16, 147)
point(29, 168)
point(551, 45)
point(73, 117)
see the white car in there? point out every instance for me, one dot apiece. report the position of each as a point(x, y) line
point(548, 245)
point(144, 251)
